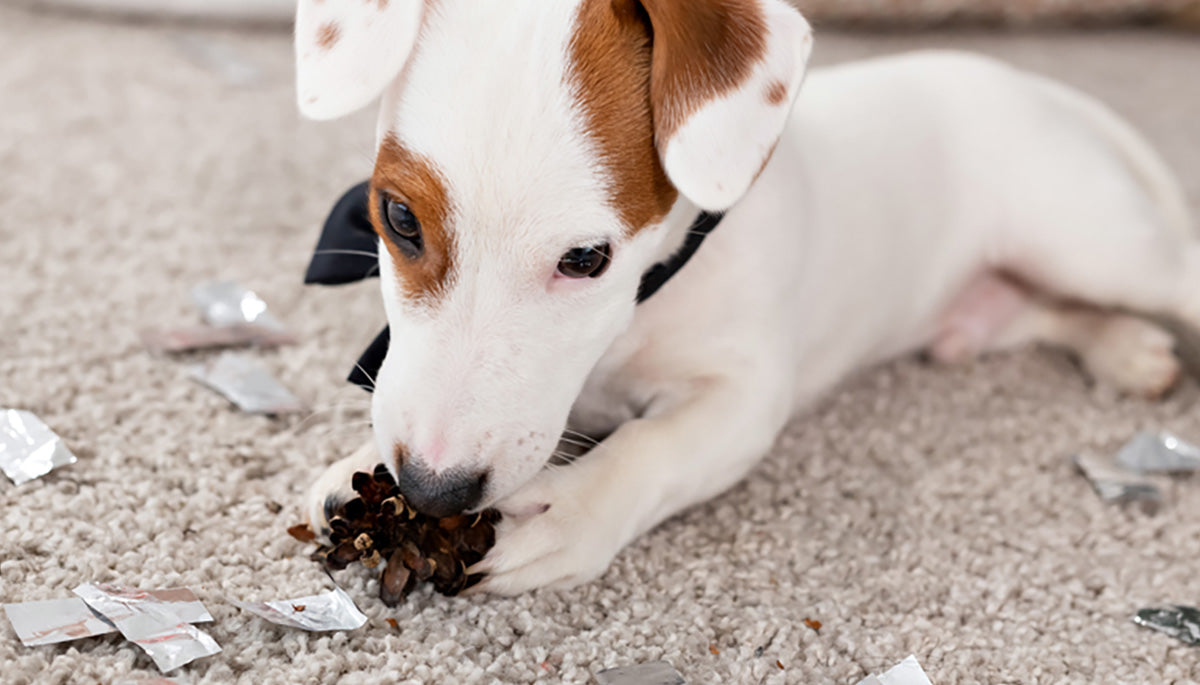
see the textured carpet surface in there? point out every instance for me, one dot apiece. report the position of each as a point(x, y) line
point(917, 510)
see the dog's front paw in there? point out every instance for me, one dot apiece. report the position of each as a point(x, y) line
point(332, 489)
point(555, 532)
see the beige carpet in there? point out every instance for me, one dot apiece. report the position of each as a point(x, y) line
point(919, 510)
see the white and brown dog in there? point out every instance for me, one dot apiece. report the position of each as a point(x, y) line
point(536, 157)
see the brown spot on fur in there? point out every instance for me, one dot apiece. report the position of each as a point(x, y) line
point(380, 5)
point(610, 72)
point(776, 93)
point(327, 35)
point(415, 181)
point(702, 50)
point(399, 455)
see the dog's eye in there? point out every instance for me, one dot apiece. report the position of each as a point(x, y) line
point(585, 262)
point(403, 226)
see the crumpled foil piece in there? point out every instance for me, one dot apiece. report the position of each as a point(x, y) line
point(28, 448)
point(195, 338)
point(333, 610)
point(1178, 621)
point(227, 303)
point(1161, 452)
point(70, 618)
point(1115, 484)
point(653, 673)
point(248, 384)
point(235, 317)
point(155, 625)
point(907, 672)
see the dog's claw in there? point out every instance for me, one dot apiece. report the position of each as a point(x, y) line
point(482, 567)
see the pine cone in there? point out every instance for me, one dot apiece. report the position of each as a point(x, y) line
point(380, 525)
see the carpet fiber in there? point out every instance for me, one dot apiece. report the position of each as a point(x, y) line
point(917, 510)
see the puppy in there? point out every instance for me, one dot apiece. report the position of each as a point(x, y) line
point(536, 159)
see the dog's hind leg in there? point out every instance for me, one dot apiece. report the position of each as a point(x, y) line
point(1100, 233)
point(996, 313)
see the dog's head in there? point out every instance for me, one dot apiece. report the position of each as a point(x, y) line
point(532, 157)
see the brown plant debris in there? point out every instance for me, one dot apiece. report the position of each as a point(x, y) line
point(380, 528)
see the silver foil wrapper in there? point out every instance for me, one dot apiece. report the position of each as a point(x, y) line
point(195, 338)
point(1115, 484)
point(1178, 621)
point(56, 620)
point(60, 620)
point(159, 627)
point(226, 303)
point(653, 673)
point(907, 672)
point(28, 448)
point(248, 384)
point(333, 610)
point(1161, 452)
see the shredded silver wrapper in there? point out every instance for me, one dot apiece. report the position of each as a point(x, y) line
point(56, 620)
point(28, 448)
point(653, 673)
point(159, 627)
point(248, 384)
point(195, 338)
point(1161, 452)
point(1115, 484)
point(70, 618)
point(226, 303)
point(1178, 621)
point(333, 610)
point(907, 672)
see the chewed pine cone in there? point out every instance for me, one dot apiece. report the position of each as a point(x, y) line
point(380, 528)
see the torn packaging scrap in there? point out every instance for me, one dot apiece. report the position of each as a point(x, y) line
point(28, 448)
point(151, 623)
point(70, 618)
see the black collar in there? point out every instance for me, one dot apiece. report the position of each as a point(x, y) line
point(347, 251)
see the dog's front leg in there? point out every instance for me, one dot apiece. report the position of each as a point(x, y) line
point(332, 489)
point(567, 524)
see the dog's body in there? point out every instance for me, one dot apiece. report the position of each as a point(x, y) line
point(934, 201)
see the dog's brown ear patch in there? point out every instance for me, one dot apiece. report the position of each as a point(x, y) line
point(412, 179)
point(702, 50)
point(609, 72)
point(722, 75)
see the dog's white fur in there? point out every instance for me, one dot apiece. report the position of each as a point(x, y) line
point(898, 189)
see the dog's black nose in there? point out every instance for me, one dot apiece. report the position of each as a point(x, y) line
point(443, 494)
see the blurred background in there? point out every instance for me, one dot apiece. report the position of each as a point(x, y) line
point(876, 13)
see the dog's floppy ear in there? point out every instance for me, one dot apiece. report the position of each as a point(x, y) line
point(348, 51)
point(723, 77)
